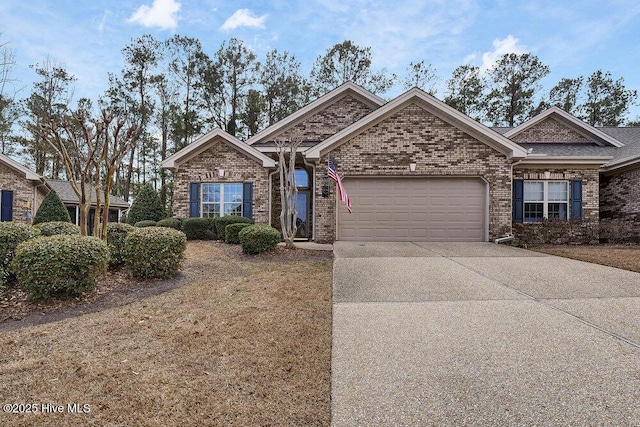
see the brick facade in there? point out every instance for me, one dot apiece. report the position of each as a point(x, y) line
point(589, 176)
point(328, 121)
point(550, 131)
point(23, 192)
point(413, 135)
point(238, 167)
point(620, 199)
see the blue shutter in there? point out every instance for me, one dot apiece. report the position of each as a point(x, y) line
point(6, 205)
point(518, 201)
point(576, 199)
point(247, 200)
point(194, 199)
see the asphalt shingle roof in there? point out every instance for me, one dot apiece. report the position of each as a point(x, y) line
point(67, 195)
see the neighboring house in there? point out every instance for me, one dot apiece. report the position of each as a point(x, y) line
point(414, 169)
point(21, 191)
point(69, 198)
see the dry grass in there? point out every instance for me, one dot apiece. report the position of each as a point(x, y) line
point(626, 257)
point(245, 343)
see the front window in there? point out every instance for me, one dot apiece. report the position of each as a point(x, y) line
point(545, 199)
point(221, 200)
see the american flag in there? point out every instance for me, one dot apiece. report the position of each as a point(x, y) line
point(333, 174)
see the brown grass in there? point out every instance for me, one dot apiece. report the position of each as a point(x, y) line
point(247, 342)
point(626, 257)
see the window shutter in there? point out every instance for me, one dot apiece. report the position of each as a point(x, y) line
point(518, 201)
point(194, 199)
point(6, 205)
point(247, 200)
point(576, 199)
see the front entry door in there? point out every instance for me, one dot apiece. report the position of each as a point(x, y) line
point(302, 206)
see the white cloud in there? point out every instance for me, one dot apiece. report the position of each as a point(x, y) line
point(243, 18)
point(162, 14)
point(501, 48)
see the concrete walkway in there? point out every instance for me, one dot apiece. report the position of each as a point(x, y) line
point(454, 334)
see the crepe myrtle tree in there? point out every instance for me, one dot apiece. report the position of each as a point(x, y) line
point(287, 149)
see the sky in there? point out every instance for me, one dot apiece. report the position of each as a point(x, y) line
point(574, 38)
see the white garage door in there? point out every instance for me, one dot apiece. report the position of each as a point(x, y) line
point(414, 209)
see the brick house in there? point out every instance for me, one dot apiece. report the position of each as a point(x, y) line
point(21, 191)
point(414, 169)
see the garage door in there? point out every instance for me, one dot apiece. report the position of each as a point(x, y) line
point(414, 209)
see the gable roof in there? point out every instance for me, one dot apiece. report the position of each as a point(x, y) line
point(434, 106)
point(67, 195)
point(202, 143)
point(569, 120)
point(348, 88)
point(28, 173)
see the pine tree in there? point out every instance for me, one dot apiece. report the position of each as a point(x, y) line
point(51, 209)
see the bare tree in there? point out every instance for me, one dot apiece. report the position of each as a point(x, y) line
point(287, 149)
point(91, 150)
point(73, 139)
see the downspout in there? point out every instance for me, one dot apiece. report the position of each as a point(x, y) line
point(271, 174)
point(43, 182)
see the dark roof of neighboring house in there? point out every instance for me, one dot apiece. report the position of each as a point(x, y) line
point(630, 137)
point(573, 149)
point(67, 195)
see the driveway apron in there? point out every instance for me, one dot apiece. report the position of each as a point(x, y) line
point(452, 334)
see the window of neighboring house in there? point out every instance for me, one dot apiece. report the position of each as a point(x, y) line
point(221, 200)
point(546, 199)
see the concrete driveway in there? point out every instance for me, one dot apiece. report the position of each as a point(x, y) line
point(479, 334)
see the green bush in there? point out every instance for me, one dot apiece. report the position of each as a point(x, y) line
point(231, 232)
point(146, 206)
point(154, 251)
point(198, 228)
point(54, 228)
point(222, 221)
point(174, 223)
point(258, 238)
point(51, 209)
point(146, 223)
point(60, 266)
point(116, 233)
point(11, 235)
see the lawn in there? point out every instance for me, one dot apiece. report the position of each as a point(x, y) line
point(239, 341)
point(626, 257)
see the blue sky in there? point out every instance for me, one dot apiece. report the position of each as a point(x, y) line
point(572, 37)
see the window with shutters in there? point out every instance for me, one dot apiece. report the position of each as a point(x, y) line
point(221, 199)
point(546, 200)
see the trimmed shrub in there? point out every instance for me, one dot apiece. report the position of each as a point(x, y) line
point(222, 221)
point(146, 206)
point(11, 235)
point(258, 238)
point(146, 223)
point(231, 232)
point(51, 209)
point(54, 228)
point(174, 223)
point(198, 228)
point(154, 251)
point(116, 233)
point(60, 266)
